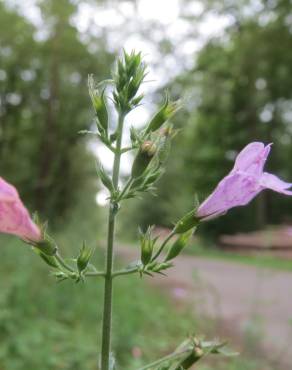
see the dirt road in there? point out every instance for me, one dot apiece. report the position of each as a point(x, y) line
point(248, 299)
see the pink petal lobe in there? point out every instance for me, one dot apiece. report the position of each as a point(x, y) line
point(273, 182)
point(7, 191)
point(236, 189)
point(252, 158)
point(14, 217)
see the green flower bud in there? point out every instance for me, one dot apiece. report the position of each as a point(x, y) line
point(143, 158)
point(83, 258)
point(178, 246)
point(47, 246)
point(167, 110)
point(99, 104)
point(146, 252)
point(191, 359)
point(49, 260)
point(189, 221)
point(164, 149)
point(147, 245)
point(161, 266)
point(198, 352)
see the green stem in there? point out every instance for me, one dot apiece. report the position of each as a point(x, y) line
point(63, 263)
point(166, 240)
point(93, 273)
point(127, 149)
point(126, 187)
point(108, 284)
point(125, 272)
point(172, 356)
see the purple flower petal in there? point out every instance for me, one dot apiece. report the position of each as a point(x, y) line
point(252, 158)
point(273, 182)
point(236, 189)
point(243, 183)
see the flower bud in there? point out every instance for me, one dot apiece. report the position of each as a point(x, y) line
point(193, 357)
point(99, 104)
point(143, 158)
point(161, 266)
point(146, 252)
point(188, 222)
point(128, 77)
point(147, 245)
point(49, 260)
point(83, 258)
point(164, 149)
point(167, 110)
point(178, 246)
point(47, 246)
point(15, 218)
point(198, 352)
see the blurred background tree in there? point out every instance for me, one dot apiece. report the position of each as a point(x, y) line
point(44, 103)
point(240, 90)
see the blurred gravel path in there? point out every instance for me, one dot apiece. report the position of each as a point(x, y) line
point(245, 298)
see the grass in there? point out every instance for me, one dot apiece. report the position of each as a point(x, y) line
point(49, 326)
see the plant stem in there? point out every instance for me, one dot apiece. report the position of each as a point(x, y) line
point(166, 240)
point(94, 273)
point(126, 187)
point(125, 272)
point(63, 263)
point(172, 356)
point(108, 284)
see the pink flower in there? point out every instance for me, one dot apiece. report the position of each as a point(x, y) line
point(243, 183)
point(14, 217)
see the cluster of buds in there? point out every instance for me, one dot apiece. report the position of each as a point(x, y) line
point(148, 163)
point(149, 252)
point(129, 75)
point(75, 269)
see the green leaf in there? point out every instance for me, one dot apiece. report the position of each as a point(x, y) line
point(104, 177)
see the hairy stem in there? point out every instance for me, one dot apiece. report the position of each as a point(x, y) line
point(108, 285)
